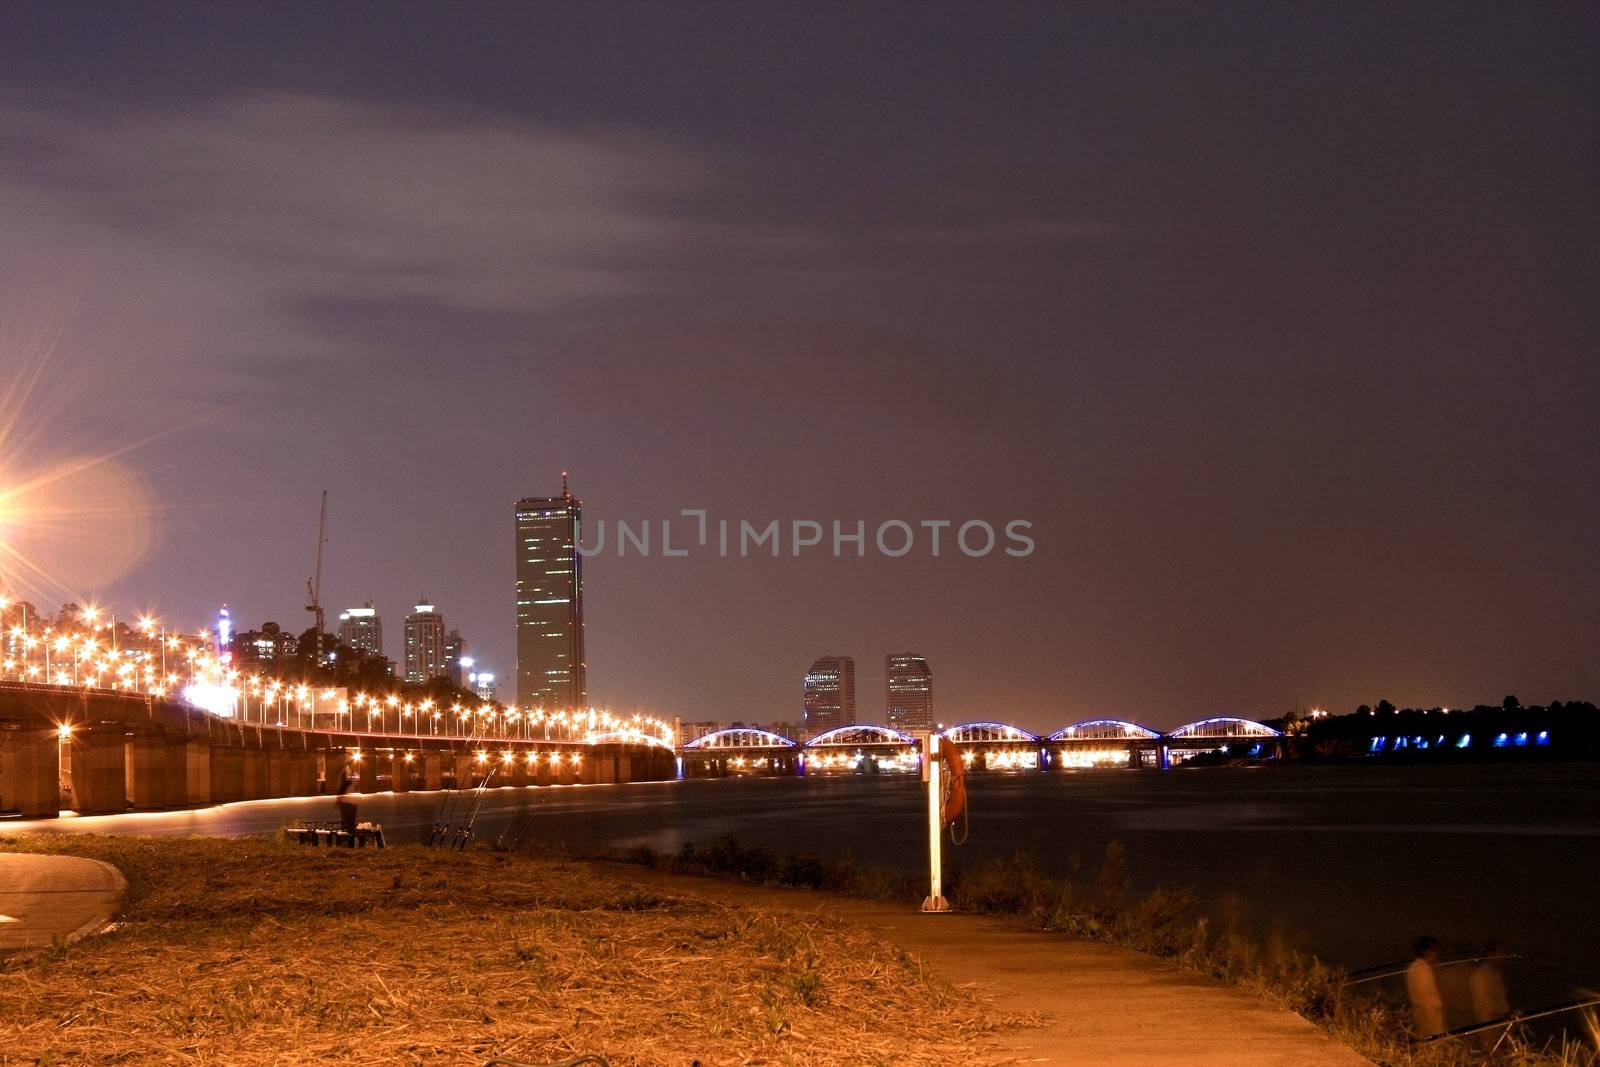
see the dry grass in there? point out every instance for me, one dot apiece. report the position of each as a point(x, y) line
point(251, 952)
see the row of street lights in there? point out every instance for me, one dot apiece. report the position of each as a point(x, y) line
point(208, 681)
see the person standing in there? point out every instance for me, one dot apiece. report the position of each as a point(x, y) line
point(1422, 986)
point(1487, 984)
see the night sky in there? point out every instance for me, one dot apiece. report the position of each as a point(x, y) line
point(1278, 322)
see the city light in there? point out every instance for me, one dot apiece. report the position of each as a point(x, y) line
point(147, 659)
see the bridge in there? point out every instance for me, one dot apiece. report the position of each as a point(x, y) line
point(984, 745)
point(89, 749)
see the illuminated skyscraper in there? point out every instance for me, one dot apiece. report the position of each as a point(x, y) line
point(425, 645)
point(454, 653)
point(910, 691)
point(830, 694)
point(362, 630)
point(550, 667)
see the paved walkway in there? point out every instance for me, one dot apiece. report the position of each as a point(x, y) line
point(1102, 1005)
point(44, 897)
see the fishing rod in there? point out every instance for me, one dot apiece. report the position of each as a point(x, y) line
point(443, 824)
point(1391, 970)
point(477, 805)
point(1512, 1019)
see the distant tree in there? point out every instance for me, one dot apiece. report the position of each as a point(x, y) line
point(1364, 710)
point(1511, 703)
point(1385, 708)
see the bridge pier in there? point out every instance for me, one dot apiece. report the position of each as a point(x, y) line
point(519, 770)
point(155, 772)
point(196, 771)
point(30, 772)
point(461, 765)
point(400, 771)
point(280, 773)
point(227, 774)
point(254, 766)
point(305, 773)
point(98, 774)
point(432, 770)
point(365, 771)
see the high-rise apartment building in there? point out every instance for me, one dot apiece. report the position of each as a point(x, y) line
point(830, 694)
point(362, 630)
point(550, 667)
point(425, 644)
point(909, 689)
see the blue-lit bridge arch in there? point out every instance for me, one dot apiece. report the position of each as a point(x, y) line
point(985, 745)
point(739, 750)
point(1223, 735)
point(1102, 742)
point(989, 745)
point(862, 748)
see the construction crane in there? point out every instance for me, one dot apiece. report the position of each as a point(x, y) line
point(314, 583)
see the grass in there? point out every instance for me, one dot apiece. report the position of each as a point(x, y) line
point(257, 952)
point(1096, 903)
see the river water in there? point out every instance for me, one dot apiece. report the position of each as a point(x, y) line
point(1355, 860)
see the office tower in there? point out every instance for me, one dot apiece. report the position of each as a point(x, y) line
point(910, 691)
point(454, 649)
point(550, 667)
point(362, 630)
point(830, 694)
point(424, 644)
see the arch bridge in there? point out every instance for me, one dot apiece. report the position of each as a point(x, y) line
point(995, 746)
point(862, 748)
point(739, 750)
point(984, 745)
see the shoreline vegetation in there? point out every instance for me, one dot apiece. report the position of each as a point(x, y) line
point(258, 951)
point(238, 951)
point(1095, 903)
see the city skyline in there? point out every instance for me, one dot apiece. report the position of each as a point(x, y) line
point(1274, 322)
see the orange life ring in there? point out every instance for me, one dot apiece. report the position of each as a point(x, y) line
point(953, 782)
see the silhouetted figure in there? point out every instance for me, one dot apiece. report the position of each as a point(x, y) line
point(1488, 987)
point(1422, 986)
point(347, 805)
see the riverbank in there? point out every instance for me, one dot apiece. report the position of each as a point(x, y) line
point(248, 952)
point(1095, 905)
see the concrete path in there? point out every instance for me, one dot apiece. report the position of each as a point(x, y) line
point(1102, 1005)
point(44, 897)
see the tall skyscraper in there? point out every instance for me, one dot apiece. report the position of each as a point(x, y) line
point(425, 644)
point(909, 691)
point(361, 629)
point(550, 667)
point(830, 694)
point(454, 651)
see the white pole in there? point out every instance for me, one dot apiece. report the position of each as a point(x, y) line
point(936, 901)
